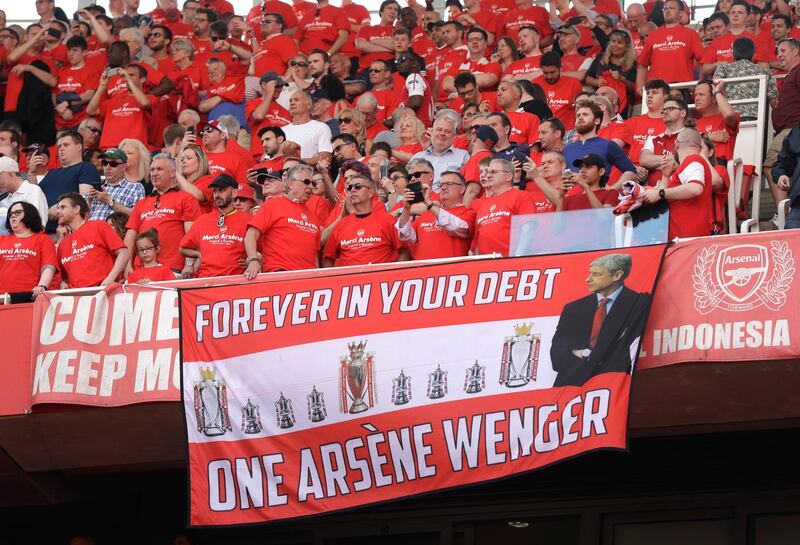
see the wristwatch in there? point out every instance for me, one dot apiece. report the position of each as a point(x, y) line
point(585, 353)
point(662, 194)
point(111, 202)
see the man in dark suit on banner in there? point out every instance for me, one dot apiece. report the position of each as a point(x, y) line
point(600, 333)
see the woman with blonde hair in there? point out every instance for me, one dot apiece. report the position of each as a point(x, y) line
point(138, 167)
point(411, 132)
point(351, 121)
point(615, 67)
point(193, 175)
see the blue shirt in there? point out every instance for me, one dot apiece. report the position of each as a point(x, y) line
point(67, 180)
point(611, 298)
point(608, 150)
point(450, 159)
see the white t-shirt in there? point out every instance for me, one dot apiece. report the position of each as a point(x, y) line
point(313, 137)
point(29, 193)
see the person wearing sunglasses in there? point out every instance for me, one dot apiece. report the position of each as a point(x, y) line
point(168, 210)
point(116, 193)
point(363, 232)
point(217, 238)
point(285, 234)
point(276, 48)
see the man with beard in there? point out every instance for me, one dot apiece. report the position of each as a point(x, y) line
point(362, 233)
point(559, 90)
point(217, 238)
point(158, 41)
point(588, 117)
point(284, 235)
point(528, 66)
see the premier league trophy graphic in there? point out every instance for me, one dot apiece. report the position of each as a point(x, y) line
point(401, 389)
point(251, 418)
point(316, 405)
point(211, 404)
point(475, 380)
point(437, 383)
point(284, 412)
point(520, 360)
point(356, 379)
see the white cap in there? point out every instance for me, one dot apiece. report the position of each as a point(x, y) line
point(7, 164)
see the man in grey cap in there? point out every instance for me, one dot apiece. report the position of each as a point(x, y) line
point(573, 64)
point(18, 190)
point(264, 111)
point(116, 193)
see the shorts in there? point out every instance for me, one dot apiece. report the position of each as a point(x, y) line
point(775, 148)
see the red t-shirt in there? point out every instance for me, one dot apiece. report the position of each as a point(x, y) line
point(663, 144)
point(641, 128)
point(434, 242)
point(159, 273)
point(369, 33)
point(323, 30)
point(290, 235)
point(387, 103)
point(221, 247)
point(691, 217)
point(359, 241)
point(229, 90)
point(356, 15)
point(271, 6)
point(195, 72)
point(481, 66)
point(533, 16)
point(228, 163)
point(124, 117)
point(202, 48)
point(75, 80)
point(471, 170)
point(487, 20)
point(493, 219)
point(581, 201)
point(116, 84)
point(274, 54)
point(236, 68)
point(714, 123)
point(86, 255)
point(540, 200)
point(561, 96)
point(22, 260)
point(14, 85)
point(572, 62)
point(523, 66)
point(203, 183)
point(174, 208)
point(524, 127)
point(670, 53)
point(320, 207)
point(721, 49)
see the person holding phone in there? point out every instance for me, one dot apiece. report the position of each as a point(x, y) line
point(592, 179)
point(115, 193)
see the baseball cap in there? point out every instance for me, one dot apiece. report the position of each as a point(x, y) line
point(217, 125)
point(223, 180)
point(569, 29)
point(487, 135)
point(246, 192)
point(7, 164)
point(590, 159)
point(320, 94)
point(115, 153)
point(272, 76)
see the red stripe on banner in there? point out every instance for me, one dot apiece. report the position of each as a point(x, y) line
point(403, 453)
point(217, 321)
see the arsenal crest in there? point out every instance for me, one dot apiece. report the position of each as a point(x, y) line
point(211, 404)
point(742, 277)
point(520, 360)
point(356, 379)
point(251, 418)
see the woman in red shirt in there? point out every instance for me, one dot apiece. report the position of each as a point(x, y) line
point(194, 177)
point(411, 132)
point(27, 255)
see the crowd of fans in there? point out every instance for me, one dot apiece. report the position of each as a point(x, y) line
point(191, 141)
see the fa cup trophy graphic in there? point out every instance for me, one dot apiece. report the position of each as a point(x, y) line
point(401, 389)
point(356, 379)
point(211, 404)
point(475, 380)
point(316, 405)
point(520, 360)
point(437, 383)
point(284, 412)
point(251, 418)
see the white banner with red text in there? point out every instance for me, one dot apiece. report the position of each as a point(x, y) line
point(309, 396)
point(730, 298)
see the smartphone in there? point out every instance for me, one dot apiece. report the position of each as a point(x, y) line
point(567, 173)
point(190, 130)
point(384, 169)
point(416, 187)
